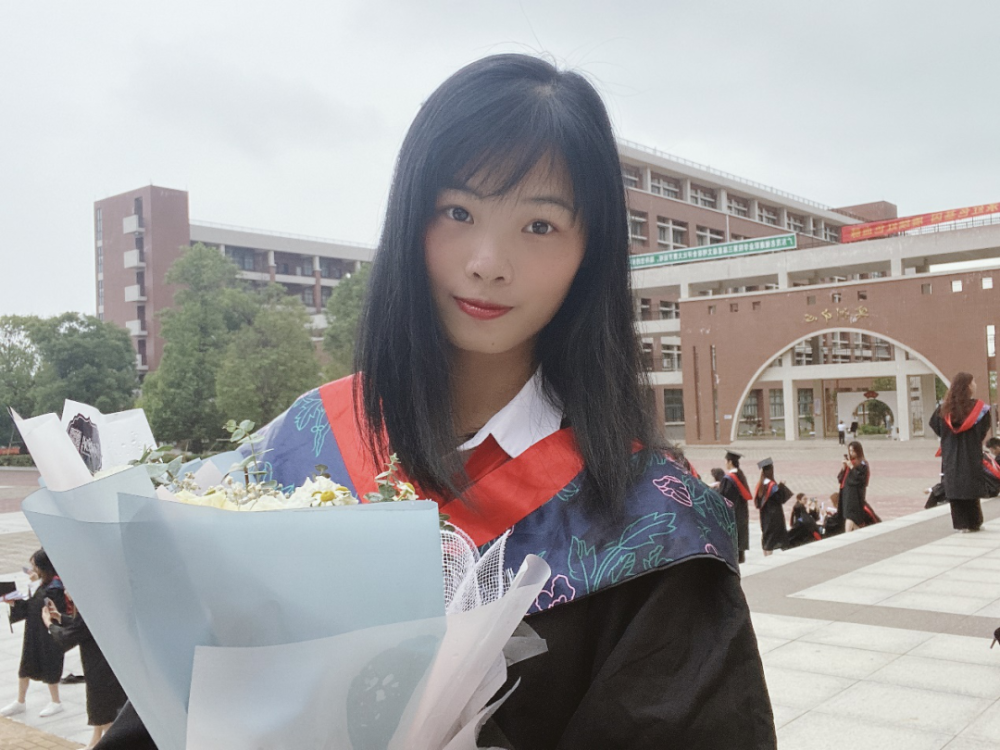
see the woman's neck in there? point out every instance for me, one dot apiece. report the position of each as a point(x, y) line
point(482, 384)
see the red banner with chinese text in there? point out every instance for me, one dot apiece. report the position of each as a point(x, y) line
point(874, 229)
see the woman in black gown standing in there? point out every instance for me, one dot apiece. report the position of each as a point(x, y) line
point(962, 422)
point(736, 489)
point(853, 478)
point(769, 498)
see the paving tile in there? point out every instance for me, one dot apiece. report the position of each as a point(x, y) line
point(982, 563)
point(836, 592)
point(986, 727)
point(956, 605)
point(783, 626)
point(951, 550)
point(964, 573)
point(820, 658)
point(964, 743)
point(798, 689)
point(959, 648)
point(907, 706)
point(871, 637)
point(821, 731)
point(867, 579)
point(957, 678)
point(919, 569)
point(785, 714)
point(972, 589)
point(766, 644)
point(990, 610)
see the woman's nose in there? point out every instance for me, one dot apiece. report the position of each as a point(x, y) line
point(489, 261)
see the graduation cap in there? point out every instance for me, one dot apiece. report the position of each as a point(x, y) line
point(733, 456)
point(765, 463)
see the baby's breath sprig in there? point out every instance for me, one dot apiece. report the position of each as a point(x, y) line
point(392, 488)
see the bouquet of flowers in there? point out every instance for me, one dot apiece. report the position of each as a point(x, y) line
point(317, 621)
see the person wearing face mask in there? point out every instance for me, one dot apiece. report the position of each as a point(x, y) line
point(41, 657)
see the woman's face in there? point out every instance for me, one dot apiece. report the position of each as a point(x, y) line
point(850, 453)
point(500, 267)
point(972, 388)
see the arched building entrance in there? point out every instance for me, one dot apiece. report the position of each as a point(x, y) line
point(775, 363)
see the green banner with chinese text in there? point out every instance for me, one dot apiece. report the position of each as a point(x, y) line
point(714, 252)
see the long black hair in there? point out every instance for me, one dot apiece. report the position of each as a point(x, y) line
point(46, 570)
point(499, 117)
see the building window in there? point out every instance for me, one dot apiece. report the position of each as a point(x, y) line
point(668, 187)
point(637, 226)
point(100, 260)
point(836, 297)
point(734, 307)
point(671, 234)
point(325, 294)
point(755, 306)
point(99, 222)
point(100, 293)
point(630, 175)
point(329, 269)
point(137, 207)
point(647, 355)
point(987, 282)
point(831, 234)
point(991, 340)
point(670, 310)
point(925, 288)
point(862, 294)
point(709, 236)
point(671, 357)
point(243, 257)
point(777, 398)
point(956, 285)
point(805, 402)
point(308, 297)
point(795, 222)
point(645, 309)
point(711, 309)
point(673, 405)
point(737, 206)
point(767, 214)
point(738, 237)
point(702, 196)
point(139, 243)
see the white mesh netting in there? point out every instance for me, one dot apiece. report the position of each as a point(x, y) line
point(470, 579)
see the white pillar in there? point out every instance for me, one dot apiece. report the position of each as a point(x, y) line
point(270, 258)
point(783, 279)
point(686, 190)
point(808, 228)
point(316, 265)
point(753, 209)
point(929, 398)
point(647, 179)
point(788, 397)
point(902, 396)
point(895, 266)
point(783, 218)
point(685, 290)
point(721, 202)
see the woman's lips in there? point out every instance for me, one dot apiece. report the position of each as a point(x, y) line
point(481, 310)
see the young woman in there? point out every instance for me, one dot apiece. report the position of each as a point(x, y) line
point(769, 497)
point(853, 478)
point(736, 489)
point(962, 422)
point(41, 658)
point(498, 360)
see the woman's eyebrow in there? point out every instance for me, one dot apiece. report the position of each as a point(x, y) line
point(551, 199)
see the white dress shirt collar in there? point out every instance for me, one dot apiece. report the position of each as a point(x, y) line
point(528, 418)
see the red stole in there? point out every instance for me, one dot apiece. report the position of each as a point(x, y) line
point(990, 464)
point(970, 420)
point(503, 490)
point(744, 491)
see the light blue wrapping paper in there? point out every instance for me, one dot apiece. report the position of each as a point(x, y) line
point(155, 579)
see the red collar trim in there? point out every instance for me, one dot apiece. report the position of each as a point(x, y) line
point(970, 420)
point(990, 464)
point(502, 492)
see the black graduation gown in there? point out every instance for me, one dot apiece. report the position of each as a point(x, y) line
point(804, 528)
point(41, 658)
point(992, 478)
point(729, 490)
point(105, 696)
point(624, 671)
point(853, 493)
point(774, 532)
point(961, 463)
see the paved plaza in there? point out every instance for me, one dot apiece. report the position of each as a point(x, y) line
point(878, 639)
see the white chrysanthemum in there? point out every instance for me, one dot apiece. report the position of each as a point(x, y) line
point(320, 492)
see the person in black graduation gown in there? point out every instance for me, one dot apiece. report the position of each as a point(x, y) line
point(853, 478)
point(736, 489)
point(804, 526)
point(505, 253)
point(41, 658)
point(769, 498)
point(962, 422)
point(991, 467)
point(105, 696)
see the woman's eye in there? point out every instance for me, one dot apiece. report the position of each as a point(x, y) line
point(457, 213)
point(541, 227)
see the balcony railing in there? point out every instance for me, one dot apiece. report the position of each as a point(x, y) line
point(135, 259)
point(132, 224)
point(135, 293)
point(140, 362)
point(136, 327)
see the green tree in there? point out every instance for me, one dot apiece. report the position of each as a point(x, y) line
point(343, 310)
point(884, 384)
point(209, 307)
point(85, 359)
point(19, 362)
point(268, 363)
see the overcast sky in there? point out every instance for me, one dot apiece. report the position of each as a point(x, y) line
point(287, 116)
